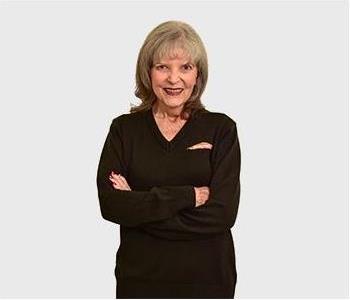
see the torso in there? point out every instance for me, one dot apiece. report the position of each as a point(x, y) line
point(149, 163)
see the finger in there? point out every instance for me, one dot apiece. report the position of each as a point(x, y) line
point(117, 182)
point(119, 176)
point(125, 182)
point(118, 187)
point(111, 179)
point(115, 178)
point(121, 180)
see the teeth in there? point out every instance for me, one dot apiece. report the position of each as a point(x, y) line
point(173, 90)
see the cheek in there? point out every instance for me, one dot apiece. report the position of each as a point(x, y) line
point(191, 83)
point(156, 83)
point(155, 79)
point(191, 80)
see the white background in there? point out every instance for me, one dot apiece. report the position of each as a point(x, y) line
point(278, 68)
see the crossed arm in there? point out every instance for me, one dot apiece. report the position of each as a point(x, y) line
point(173, 212)
point(119, 183)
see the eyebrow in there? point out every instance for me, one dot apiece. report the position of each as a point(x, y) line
point(162, 63)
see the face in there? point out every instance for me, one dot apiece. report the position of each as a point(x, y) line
point(173, 80)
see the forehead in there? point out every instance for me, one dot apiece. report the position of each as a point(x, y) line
point(174, 54)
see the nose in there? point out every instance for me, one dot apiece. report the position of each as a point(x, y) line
point(173, 76)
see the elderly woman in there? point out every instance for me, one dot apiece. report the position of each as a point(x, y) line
point(169, 175)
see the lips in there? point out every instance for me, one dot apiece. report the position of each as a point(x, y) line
point(173, 91)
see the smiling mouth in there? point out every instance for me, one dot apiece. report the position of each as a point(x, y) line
point(173, 92)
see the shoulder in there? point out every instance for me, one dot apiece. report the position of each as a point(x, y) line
point(128, 120)
point(219, 120)
point(225, 130)
point(222, 126)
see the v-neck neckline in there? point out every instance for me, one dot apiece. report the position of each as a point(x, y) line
point(168, 145)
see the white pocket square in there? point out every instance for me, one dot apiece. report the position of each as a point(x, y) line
point(201, 145)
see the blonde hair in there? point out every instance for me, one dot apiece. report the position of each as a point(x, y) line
point(163, 41)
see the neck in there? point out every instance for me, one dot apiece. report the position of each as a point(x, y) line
point(163, 112)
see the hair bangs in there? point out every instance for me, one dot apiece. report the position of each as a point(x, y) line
point(175, 48)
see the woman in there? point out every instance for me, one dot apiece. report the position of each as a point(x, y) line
point(169, 175)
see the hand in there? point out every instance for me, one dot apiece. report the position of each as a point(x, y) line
point(202, 195)
point(119, 182)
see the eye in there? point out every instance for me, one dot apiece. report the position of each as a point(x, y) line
point(188, 67)
point(160, 67)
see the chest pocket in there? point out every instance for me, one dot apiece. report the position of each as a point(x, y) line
point(201, 145)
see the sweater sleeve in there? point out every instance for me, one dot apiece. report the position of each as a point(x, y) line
point(132, 208)
point(219, 212)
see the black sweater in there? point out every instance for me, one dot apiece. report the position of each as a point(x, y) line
point(168, 247)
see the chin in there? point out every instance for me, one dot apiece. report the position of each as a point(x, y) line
point(175, 102)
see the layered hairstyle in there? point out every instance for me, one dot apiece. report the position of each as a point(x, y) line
point(164, 41)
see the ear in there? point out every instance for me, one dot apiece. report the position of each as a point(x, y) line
point(197, 79)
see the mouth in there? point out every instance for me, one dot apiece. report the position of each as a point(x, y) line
point(172, 91)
